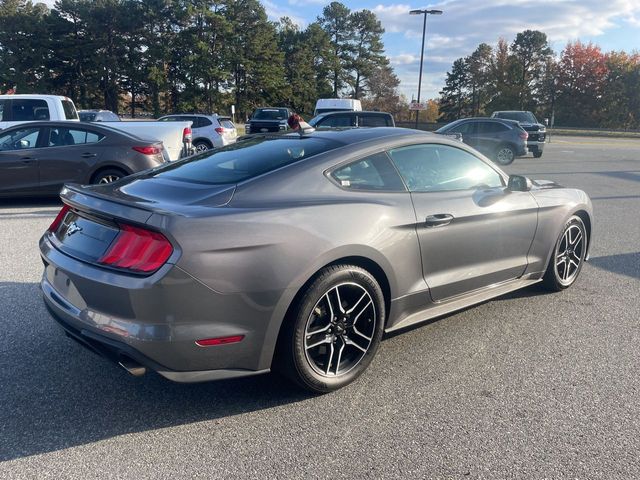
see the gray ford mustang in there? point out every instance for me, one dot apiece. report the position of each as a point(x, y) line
point(296, 252)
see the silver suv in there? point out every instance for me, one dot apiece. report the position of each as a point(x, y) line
point(209, 131)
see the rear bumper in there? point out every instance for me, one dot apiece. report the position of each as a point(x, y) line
point(153, 322)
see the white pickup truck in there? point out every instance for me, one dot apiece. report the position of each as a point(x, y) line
point(15, 109)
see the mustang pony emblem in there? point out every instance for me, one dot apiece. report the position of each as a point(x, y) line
point(73, 228)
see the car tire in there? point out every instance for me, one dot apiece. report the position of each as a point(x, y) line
point(537, 154)
point(201, 146)
point(505, 155)
point(108, 175)
point(333, 330)
point(567, 256)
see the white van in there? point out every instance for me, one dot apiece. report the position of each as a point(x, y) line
point(325, 105)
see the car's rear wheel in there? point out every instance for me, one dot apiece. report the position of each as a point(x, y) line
point(505, 155)
point(568, 256)
point(537, 154)
point(108, 175)
point(334, 330)
point(201, 146)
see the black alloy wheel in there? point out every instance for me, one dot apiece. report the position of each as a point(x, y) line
point(335, 330)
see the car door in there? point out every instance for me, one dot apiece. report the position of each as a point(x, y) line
point(468, 131)
point(473, 232)
point(488, 137)
point(67, 155)
point(19, 160)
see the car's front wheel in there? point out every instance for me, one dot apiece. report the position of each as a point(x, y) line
point(334, 330)
point(568, 256)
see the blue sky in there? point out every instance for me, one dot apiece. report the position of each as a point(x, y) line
point(613, 24)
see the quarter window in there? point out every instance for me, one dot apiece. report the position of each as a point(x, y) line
point(336, 121)
point(373, 121)
point(371, 173)
point(434, 168)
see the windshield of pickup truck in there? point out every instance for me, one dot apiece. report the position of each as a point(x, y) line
point(270, 114)
point(525, 117)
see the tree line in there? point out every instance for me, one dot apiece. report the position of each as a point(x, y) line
point(167, 56)
point(582, 87)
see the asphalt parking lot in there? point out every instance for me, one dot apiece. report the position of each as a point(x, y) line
point(530, 385)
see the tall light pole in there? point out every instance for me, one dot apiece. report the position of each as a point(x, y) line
point(424, 31)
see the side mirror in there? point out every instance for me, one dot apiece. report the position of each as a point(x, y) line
point(24, 144)
point(519, 183)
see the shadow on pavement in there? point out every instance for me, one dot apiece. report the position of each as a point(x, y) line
point(624, 263)
point(55, 394)
point(30, 202)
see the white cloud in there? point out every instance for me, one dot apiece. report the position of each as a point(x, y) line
point(467, 23)
point(275, 12)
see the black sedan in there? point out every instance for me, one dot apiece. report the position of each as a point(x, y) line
point(40, 157)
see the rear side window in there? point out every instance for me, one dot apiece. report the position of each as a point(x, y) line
point(371, 173)
point(202, 122)
point(336, 121)
point(374, 121)
point(70, 112)
point(246, 159)
point(492, 127)
point(3, 116)
point(29, 110)
point(59, 137)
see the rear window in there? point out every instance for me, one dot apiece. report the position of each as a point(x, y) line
point(270, 114)
point(244, 160)
point(226, 123)
point(70, 112)
point(526, 117)
point(29, 110)
point(87, 116)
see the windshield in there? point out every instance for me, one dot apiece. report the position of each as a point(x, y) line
point(246, 159)
point(525, 117)
point(270, 114)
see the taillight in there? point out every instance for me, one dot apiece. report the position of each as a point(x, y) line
point(524, 135)
point(187, 135)
point(138, 250)
point(58, 220)
point(148, 150)
point(220, 130)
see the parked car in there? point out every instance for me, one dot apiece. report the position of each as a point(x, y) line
point(500, 140)
point(325, 105)
point(209, 131)
point(98, 116)
point(352, 119)
point(17, 109)
point(40, 157)
point(268, 119)
point(536, 130)
point(296, 252)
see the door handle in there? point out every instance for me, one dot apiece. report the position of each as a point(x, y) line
point(88, 155)
point(27, 159)
point(439, 220)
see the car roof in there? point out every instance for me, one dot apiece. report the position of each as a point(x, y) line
point(77, 126)
point(488, 119)
point(352, 112)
